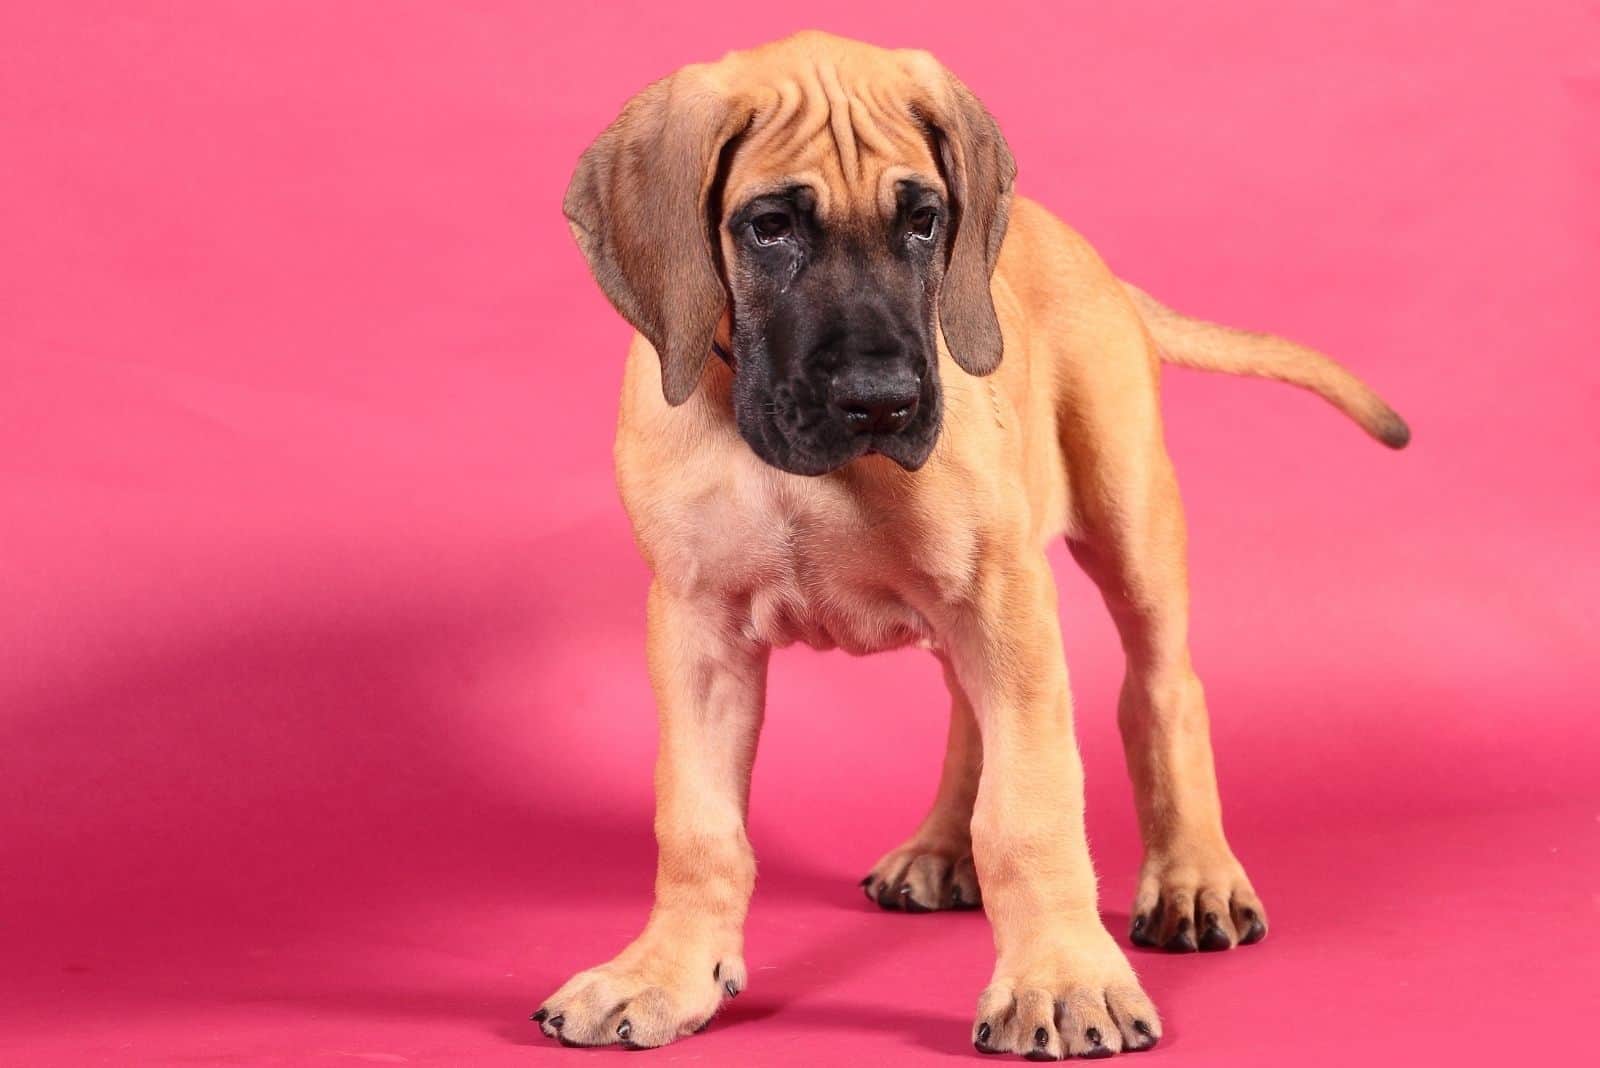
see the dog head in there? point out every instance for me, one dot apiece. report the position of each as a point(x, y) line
point(839, 204)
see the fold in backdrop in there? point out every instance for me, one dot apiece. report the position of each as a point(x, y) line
point(324, 729)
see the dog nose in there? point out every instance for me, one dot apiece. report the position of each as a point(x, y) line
point(878, 407)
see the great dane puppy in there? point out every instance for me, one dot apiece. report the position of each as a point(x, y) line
point(918, 382)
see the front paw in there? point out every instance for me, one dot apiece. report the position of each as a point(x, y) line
point(645, 997)
point(1067, 994)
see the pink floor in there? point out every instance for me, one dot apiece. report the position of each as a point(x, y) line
point(324, 730)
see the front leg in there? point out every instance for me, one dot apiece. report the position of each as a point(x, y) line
point(1061, 986)
point(710, 687)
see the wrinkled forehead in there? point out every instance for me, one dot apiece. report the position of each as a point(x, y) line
point(843, 125)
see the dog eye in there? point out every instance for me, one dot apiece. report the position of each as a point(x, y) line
point(923, 220)
point(772, 227)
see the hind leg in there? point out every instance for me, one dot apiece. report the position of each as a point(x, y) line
point(1192, 893)
point(933, 869)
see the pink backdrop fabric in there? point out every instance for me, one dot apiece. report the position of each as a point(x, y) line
point(325, 735)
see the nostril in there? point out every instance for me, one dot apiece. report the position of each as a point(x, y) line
point(874, 399)
point(889, 416)
point(898, 417)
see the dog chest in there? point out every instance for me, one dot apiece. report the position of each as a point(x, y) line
point(802, 561)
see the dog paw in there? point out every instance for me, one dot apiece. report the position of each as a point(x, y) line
point(924, 876)
point(640, 1000)
point(1080, 999)
point(1197, 902)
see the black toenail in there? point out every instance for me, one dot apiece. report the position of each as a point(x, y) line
point(1254, 933)
point(716, 971)
point(1214, 938)
point(866, 888)
point(1182, 940)
point(1041, 1038)
point(732, 988)
point(1148, 1039)
point(624, 1029)
point(865, 879)
point(539, 1016)
point(911, 903)
point(889, 897)
point(1093, 1035)
point(557, 1022)
point(982, 1041)
point(1140, 935)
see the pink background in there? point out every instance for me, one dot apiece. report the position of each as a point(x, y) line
point(324, 727)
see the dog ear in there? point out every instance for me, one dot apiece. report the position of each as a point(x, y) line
point(979, 171)
point(641, 206)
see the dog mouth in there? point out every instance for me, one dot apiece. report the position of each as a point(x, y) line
point(801, 453)
point(820, 446)
point(908, 455)
point(816, 422)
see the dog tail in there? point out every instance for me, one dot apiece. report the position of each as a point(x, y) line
point(1209, 347)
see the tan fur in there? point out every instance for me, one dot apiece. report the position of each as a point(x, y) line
point(1209, 347)
point(1063, 439)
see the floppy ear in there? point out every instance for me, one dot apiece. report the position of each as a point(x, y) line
point(979, 171)
point(640, 207)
